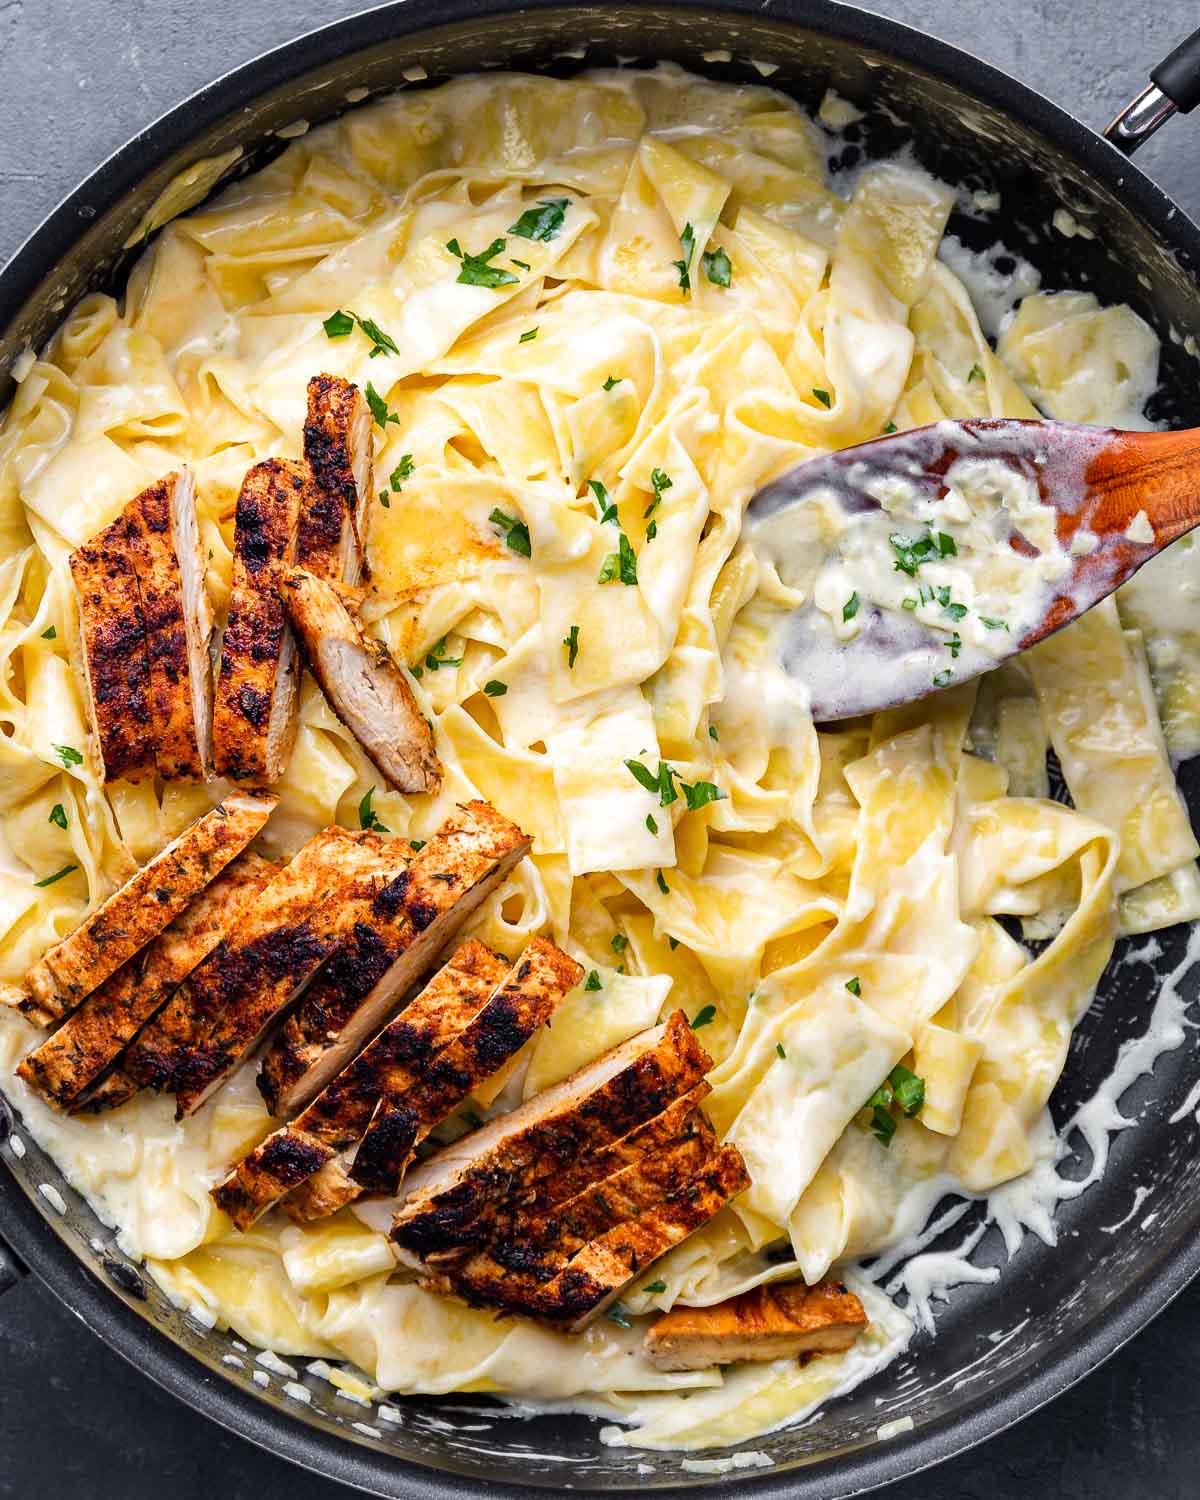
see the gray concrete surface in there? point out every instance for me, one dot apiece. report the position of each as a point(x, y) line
point(77, 78)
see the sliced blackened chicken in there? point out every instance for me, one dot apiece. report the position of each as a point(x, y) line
point(782, 1320)
point(339, 1115)
point(115, 663)
point(537, 984)
point(362, 683)
point(254, 712)
point(92, 1038)
point(337, 445)
point(164, 552)
point(413, 920)
point(467, 1193)
point(109, 936)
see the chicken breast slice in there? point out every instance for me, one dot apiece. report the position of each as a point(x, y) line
point(338, 447)
point(113, 658)
point(455, 1201)
point(531, 992)
point(362, 683)
point(254, 710)
point(338, 1116)
point(95, 1035)
point(109, 936)
point(163, 541)
point(780, 1320)
point(414, 920)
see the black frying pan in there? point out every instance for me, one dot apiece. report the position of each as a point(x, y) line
point(1002, 1350)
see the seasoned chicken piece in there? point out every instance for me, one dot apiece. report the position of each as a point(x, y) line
point(110, 1092)
point(337, 445)
point(363, 685)
point(163, 542)
point(254, 713)
point(114, 661)
point(455, 1200)
point(338, 1116)
point(109, 936)
point(415, 918)
point(93, 1037)
point(324, 1193)
point(781, 1320)
point(538, 983)
point(305, 913)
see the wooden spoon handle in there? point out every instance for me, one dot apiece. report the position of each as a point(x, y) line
point(1155, 472)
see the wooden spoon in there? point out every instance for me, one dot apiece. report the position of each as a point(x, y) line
point(1099, 480)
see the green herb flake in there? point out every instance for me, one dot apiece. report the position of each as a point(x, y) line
point(379, 407)
point(990, 624)
point(701, 793)
point(703, 1016)
point(651, 824)
point(889, 429)
point(955, 611)
point(416, 845)
point(514, 532)
point(661, 883)
point(477, 270)
point(882, 1125)
point(68, 755)
point(621, 564)
point(617, 1314)
point(672, 943)
point(908, 1089)
point(338, 325)
point(946, 545)
point(954, 644)
point(854, 985)
point(437, 658)
point(471, 1118)
point(655, 1286)
point(850, 608)
point(619, 943)
point(52, 634)
point(382, 343)
point(495, 688)
point(367, 816)
point(544, 221)
point(687, 241)
point(911, 552)
point(910, 603)
point(592, 982)
point(58, 815)
point(976, 372)
point(403, 471)
point(58, 875)
point(780, 1050)
point(608, 511)
point(571, 642)
point(940, 679)
point(717, 266)
point(611, 381)
point(523, 264)
point(529, 335)
point(712, 732)
point(822, 396)
point(385, 500)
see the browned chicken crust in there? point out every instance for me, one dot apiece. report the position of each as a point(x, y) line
point(340, 1114)
point(254, 711)
point(337, 446)
point(782, 1320)
point(92, 1038)
point(529, 996)
point(109, 936)
point(116, 667)
point(415, 917)
point(163, 550)
point(362, 684)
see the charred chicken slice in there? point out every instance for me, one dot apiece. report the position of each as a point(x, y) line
point(115, 663)
point(163, 549)
point(93, 1037)
point(254, 712)
point(339, 1115)
point(362, 683)
point(468, 1192)
point(414, 919)
point(337, 445)
point(781, 1320)
point(109, 936)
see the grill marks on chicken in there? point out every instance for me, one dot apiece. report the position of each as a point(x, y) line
point(162, 543)
point(413, 919)
point(254, 712)
point(782, 1320)
point(339, 1115)
point(115, 665)
point(337, 446)
point(362, 683)
point(109, 936)
point(93, 1037)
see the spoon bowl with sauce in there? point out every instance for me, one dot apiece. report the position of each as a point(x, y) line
point(921, 559)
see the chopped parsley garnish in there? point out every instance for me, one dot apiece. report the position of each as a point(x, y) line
point(368, 817)
point(946, 545)
point(990, 624)
point(940, 679)
point(495, 688)
point(703, 1016)
point(416, 845)
point(976, 373)
point(571, 642)
point(379, 407)
point(779, 1048)
point(659, 482)
point(529, 335)
point(338, 325)
point(608, 511)
point(68, 755)
point(523, 264)
point(822, 396)
point(437, 658)
point(882, 1124)
point(908, 1090)
point(651, 824)
point(910, 603)
point(592, 982)
point(660, 882)
point(617, 1314)
point(712, 732)
point(954, 644)
point(661, 781)
point(514, 532)
point(611, 381)
point(385, 499)
point(672, 943)
point(910, 552)
point(619, 943)
point(52, 634)
point(476, 270)
point(901, 1088)
point(58, 815)
point(471, 1118)
point(621, 564)
point(700, 794)
point(717, 266)
point(850, 608)
point(58, 875)
point(542, 222)
point(955, 611)
point(403, 470)
point(655, 1286)
point(854, 985)
point(651, 531)
point(687, 241)
point(382, 343)
point(889, 429)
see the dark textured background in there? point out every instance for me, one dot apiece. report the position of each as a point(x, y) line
point(77, 78)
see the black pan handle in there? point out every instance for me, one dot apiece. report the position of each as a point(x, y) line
point(1175, 88)
point(12, 1267)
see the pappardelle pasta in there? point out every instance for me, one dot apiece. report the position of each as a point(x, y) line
point(592, 318)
